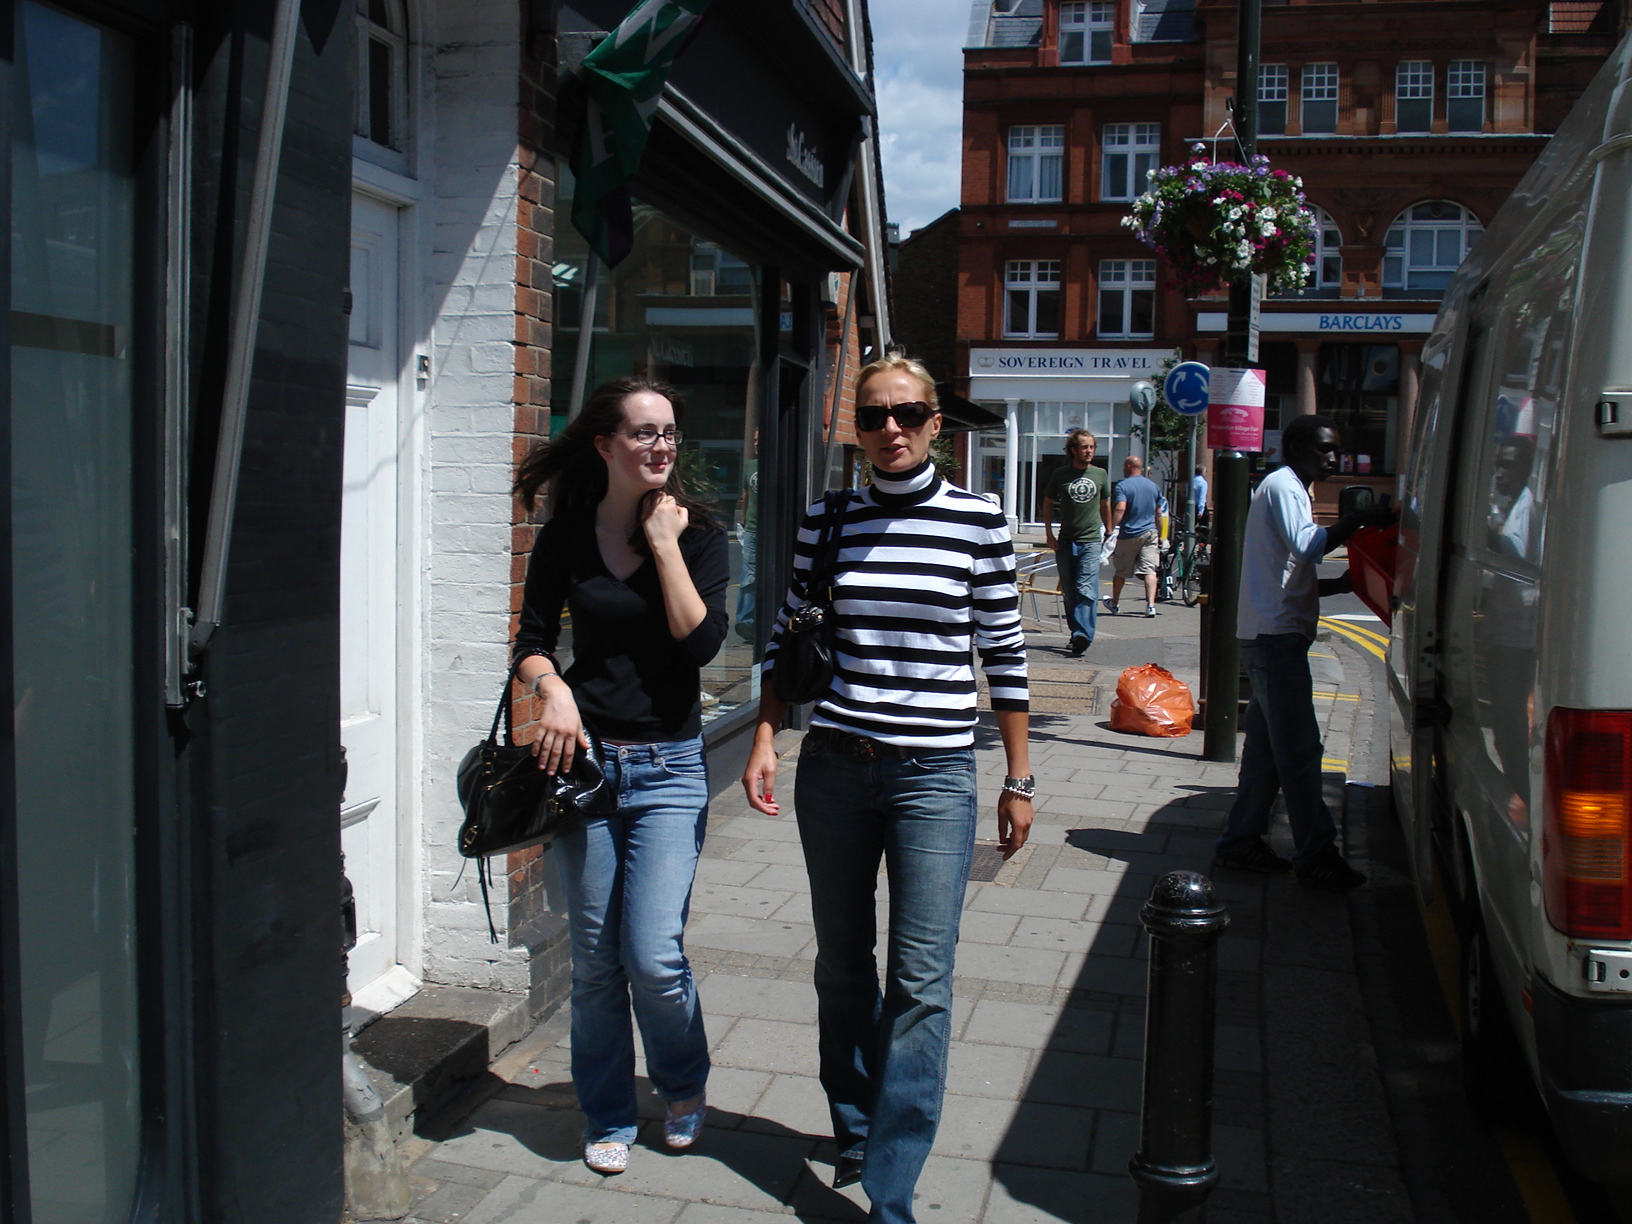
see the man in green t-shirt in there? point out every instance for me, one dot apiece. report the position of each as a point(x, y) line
point(1082, 492)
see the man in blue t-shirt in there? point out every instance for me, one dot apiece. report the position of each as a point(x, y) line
point(1135, 510)
point(1198, 497)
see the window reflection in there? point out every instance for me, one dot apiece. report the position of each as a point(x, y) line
point(72, 202)
point(683, 309)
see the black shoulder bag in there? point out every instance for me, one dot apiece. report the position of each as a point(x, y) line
point(804, 657)
point(510, 803)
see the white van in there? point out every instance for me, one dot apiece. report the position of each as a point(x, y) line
point(1510, 668)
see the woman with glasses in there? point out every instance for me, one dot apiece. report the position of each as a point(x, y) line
point(642, 568)
point(925, 572)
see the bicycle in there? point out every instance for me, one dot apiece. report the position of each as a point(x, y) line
point(1191, 553)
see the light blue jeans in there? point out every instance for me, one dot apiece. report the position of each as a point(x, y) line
point(883, 1055)
point(627, 878)
point(1281, 751)
point(1078, 565)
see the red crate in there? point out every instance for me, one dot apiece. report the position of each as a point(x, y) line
point(1371, 562)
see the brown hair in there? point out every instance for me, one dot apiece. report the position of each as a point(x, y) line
point(574, 470)
point(1071, 438)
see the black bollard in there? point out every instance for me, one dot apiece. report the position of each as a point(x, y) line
point(1174, 1167)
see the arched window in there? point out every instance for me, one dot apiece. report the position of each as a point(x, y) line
point(382, 72)
point(1328, 269)
point(1426, 243)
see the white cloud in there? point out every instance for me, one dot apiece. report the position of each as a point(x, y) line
point(918, 62)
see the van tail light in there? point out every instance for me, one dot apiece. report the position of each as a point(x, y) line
point(1586, 841)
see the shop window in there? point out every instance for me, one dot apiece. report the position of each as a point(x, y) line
point(1465, 96)
point(382, 72)
point(1426, 243)
point(1085, 31)
point(1358, 386)
point(76, 558)
point(1130, 152)
point(1272, 100)
point(1036, 164)
point(1127, 299)
point(1414, 96)
point(1032, 299)
point(684, 308)
point(1318, 98)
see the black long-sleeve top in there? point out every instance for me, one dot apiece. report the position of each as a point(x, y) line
point(631, 678)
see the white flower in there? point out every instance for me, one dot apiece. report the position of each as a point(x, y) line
point(1149, 175)
point(1266, 230)
point(1243, 252)
point(1235, 213)
point(1266, 213)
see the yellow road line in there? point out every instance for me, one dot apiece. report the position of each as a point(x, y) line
point(1336, 697)
point(1380, 638)
point(1354, 635)
point(1333, 763)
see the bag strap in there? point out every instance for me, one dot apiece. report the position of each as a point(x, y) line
point(825, 562)
point(503, 712)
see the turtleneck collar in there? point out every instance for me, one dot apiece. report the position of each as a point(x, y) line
point(906, 488)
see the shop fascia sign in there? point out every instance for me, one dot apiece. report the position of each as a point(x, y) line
point(1329, 323)
point(1054, 363)
point(803, 157)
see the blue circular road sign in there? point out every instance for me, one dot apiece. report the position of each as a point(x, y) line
point(1186, 388)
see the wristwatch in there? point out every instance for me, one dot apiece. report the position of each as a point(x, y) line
point(1021, 788)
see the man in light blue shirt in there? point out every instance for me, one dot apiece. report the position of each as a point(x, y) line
point(1277, 617)
point(1198, 496)
point(1136, 508)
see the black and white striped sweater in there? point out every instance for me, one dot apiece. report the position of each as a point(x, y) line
point(925, 578)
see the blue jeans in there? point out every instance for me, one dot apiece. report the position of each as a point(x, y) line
point(1282, 751)
point(1078, 564)
point(627, 878)
point(883, 1055)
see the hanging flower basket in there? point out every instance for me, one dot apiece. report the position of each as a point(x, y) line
point(1214, 221)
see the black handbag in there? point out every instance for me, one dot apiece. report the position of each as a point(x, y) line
point(510, 803)
point(804, 656)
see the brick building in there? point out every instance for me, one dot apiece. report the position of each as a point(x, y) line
point(1408, 123)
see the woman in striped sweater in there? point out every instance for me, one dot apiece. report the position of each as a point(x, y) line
point(887, 771)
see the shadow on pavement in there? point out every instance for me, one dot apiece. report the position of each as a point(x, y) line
point(544, 1128)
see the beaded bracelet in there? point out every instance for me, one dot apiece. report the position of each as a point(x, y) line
point(1021, 788)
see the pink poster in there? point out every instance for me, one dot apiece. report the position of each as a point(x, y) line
point(1235, 410)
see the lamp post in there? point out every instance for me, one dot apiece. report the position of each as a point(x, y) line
point(1230, 492)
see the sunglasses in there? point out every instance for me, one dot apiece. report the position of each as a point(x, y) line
point(910, 415)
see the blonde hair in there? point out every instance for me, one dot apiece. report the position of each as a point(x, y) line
point(902, 365)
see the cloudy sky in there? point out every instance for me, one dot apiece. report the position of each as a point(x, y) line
point(918, 62)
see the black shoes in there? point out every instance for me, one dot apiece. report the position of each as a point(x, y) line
point(846, 1171)
point(1256, 857)
point(1079, 646)
point(1327, 870)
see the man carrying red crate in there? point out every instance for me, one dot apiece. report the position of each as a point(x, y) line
point(1277, 617)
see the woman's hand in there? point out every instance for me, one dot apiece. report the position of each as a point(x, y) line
point(1013, 823)
point(759, 779)
point(560, 729)
point(664, 521)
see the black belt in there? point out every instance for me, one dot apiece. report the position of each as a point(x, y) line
point(858, 747)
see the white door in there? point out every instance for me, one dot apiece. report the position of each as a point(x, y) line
point(368, 607)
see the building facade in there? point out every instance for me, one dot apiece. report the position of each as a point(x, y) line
point(1408, 124)
point(264, 406)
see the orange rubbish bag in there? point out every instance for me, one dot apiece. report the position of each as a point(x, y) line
point(1151, 701)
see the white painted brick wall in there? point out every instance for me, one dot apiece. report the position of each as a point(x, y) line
point(474, 62)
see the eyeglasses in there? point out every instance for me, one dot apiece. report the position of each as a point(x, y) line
point(647, 435)
point(910, 415)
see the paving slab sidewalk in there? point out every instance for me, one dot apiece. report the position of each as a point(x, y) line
point(1043, 1090)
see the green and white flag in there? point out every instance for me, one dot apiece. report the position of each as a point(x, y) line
point(624, 79)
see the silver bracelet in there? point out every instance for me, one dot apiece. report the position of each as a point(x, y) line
point(538, 680)
point(1021, 788)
